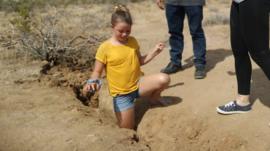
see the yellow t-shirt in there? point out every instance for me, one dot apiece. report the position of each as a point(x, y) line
point(122, 65)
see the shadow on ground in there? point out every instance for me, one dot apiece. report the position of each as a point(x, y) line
point(142, 105)
point(213, 57)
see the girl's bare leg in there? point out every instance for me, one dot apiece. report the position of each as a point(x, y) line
point(126, 119)
point(151, 86)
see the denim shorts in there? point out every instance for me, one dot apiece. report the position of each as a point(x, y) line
point(125, 101)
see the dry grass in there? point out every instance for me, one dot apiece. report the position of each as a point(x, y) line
point(15, 5)
point(217, 19)
point(216, 14)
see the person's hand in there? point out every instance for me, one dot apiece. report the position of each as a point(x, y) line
point(91, 87)
point(160, 4)
point(158, 48)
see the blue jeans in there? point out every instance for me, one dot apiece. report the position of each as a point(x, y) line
point(175, 18)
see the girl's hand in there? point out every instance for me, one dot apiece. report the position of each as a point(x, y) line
point(158, 48)
point(91, 87)
point(160, 4)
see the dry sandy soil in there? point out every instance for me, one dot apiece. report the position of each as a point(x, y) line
point(34, 116)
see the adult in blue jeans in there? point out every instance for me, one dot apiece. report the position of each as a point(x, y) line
point(175, 14)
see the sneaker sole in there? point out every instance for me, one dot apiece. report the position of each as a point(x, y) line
point(231, 112)
point(200, 77)
point(170, 72)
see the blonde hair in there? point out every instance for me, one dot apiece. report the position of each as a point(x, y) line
point(121, 13)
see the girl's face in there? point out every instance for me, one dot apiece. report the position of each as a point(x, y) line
point(121, 31)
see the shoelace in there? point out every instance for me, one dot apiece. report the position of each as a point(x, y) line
point(230, 104)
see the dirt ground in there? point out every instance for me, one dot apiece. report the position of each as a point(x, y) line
point(34, 116)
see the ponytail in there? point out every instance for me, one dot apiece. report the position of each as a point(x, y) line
point(121, 14)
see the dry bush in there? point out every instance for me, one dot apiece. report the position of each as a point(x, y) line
point(218, 2)
point(216, 16)
point(216, 19)
point(45, 42)
point(9, 39)
point(15, 5)
point(66, 38)
point(57, 38)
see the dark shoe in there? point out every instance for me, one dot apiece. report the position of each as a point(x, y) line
point(171, 68)
point(233, 108)
point(200, 73)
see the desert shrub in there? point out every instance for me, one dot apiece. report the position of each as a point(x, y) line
point(47, 41)
point(60, 37)
point(47, 36)
point(14, 5)
point(217, 19)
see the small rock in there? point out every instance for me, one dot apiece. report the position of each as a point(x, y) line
point(44, 62)
point(58, 75)
point(19, 81)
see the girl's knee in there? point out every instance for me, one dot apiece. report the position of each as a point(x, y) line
point(164, 79)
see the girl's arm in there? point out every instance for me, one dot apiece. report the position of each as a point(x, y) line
point(93, 86)
point(99, 66)
point(160, 4)
point(148, 57)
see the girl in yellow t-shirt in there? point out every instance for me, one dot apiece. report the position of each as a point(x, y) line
point(121, 58)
